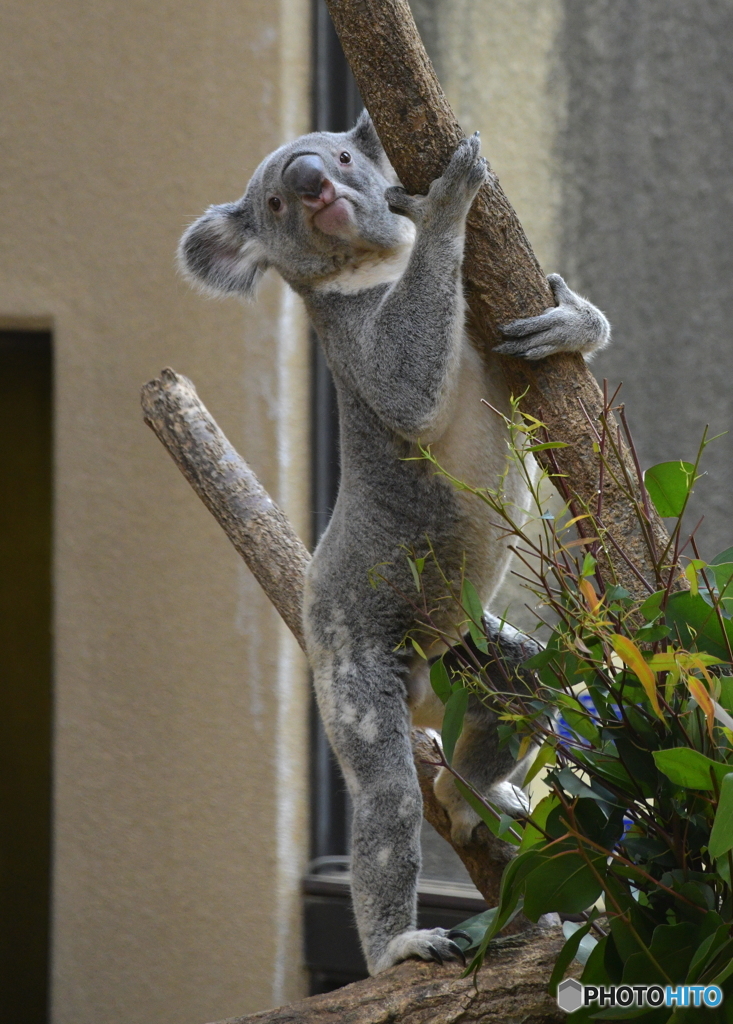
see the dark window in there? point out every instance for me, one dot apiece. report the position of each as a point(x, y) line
point(25, 673)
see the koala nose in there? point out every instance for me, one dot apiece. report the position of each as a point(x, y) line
point(305, 175)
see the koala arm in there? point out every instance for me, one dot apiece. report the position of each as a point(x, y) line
point(573, 325)
point(410, 349)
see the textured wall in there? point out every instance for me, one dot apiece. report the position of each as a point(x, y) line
point(180, 732)
point(645, 162)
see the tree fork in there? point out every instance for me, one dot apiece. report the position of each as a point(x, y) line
point(503, 279)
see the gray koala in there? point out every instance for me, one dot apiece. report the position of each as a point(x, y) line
point(380, 274)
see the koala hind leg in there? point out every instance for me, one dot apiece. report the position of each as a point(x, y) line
point(489, 769)
point(362, 701)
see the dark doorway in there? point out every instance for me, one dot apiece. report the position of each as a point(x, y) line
point(25, 673)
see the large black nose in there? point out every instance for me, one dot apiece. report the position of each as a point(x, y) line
point(305, 175)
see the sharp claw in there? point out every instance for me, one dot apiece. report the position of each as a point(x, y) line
point(456, 933)
point(457, 952)
point(435, 954)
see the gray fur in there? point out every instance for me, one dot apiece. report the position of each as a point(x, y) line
point(380, 274)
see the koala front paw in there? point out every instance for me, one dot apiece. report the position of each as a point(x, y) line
point(573, 325)
point(454, 192)
point(466, 168)
point(425, 943)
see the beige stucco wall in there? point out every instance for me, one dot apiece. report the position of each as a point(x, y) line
point(498, 62)
point(180, 735)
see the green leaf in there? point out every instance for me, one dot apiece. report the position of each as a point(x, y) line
point(568, 951)
point(724, 556)
point(689, 768)
point(476, 927)
point(578, 718)
point(418, 649)
point(474, 610)
point(532, 836)
point(440, 681)
point(589, 564)
point(668, 485)
point(723, 574)
point(726, 692)
point(563, 882)
point(698, 624)
point(706, 951)
point(455, 710)
point(543, 447)
point(651, 609)
point(721, 837)
point(616, 593)
point(415, 573)
point(545, 756)
point(650, 633)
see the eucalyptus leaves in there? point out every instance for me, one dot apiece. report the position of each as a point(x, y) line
point(633, 838)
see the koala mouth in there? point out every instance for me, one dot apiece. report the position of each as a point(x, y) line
point(335, 217)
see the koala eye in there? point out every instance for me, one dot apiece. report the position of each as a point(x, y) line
point(274, 203)
point(345, 157)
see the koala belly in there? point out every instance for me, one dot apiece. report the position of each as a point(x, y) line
point(475, 450)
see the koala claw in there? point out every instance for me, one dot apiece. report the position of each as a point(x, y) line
point(426, 943)
point(434, 954)
point(457, 933)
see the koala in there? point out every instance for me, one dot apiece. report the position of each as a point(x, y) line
point(379, 272)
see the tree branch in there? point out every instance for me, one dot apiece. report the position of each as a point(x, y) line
point(503, 279)
point(511, 986)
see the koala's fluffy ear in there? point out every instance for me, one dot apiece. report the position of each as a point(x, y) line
point(365, 136)
point(221, 253)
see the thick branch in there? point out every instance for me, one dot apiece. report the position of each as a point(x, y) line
point(502, 276)
point(512, 986)
point(263, 536)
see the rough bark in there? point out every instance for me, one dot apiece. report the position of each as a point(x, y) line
point(503, 278)
point(263, 536)
point(512, 986)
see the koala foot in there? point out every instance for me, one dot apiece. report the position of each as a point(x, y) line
point(426, 943)
point(573, 325)
point(510, 799)
point(505, 796)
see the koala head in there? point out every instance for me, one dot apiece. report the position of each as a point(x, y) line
point(312, 207)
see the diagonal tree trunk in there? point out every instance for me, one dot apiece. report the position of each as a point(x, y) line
point(503, 279)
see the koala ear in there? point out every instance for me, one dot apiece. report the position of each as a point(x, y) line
point(365, 136)
point(221, 253)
